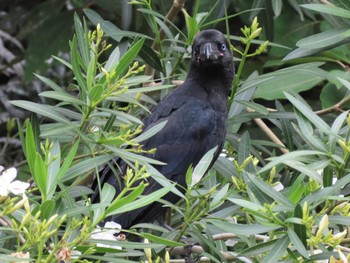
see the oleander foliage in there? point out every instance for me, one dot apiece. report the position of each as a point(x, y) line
point(278, 193)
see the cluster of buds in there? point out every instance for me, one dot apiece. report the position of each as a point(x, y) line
point(251, 33)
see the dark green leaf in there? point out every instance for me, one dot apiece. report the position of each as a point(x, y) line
point(277, 251)
point(150, 57)
point(46, 209)
point(241, 229)
point(126, 200)
point(160, 240)
point(128, 58)
point(328, 9)
point(82, 38)
point(45, 110)
point(297, 243)
point(143, 201)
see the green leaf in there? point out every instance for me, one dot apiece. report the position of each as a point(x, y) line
point(54, 166)
point(106, 196)
point(151, 131)
point(148, 89)
point(110, 29)
point(328, 9)
point(62, 61)
point(162, 180)
point(30, 147)
point(64, 168)
point(327, 176)
point(127, 155)
point(143, 201)
point(286, 128)
point(246, 204)
point(339, 220)
point(277, 251)
point(61, 96)
point(297, 243)
point(301, 154)
point(86, 166)
point(82, 40)
point(292, 79)
point(91, 72)
point(50, 83)
point(259, 248)
point(160, 240)
point(225, 167)
point(254, 106)
point(45, 110)
point(219, 197)
point(150, 57)
point(40, 175)
point(76, 59)
point(117, 203)
point(300, 229)
point(244, 148)
point(46, 209)
point(122, 116)
point(277, 7)
point(297, 189)
point(128, 58)
point(270, 191)
point(202, 167)
point(95, 93)
point(309, 114)
point(308, 134)
point(245, 230)
point(324, 39)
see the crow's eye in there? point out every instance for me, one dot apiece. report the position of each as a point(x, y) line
point(223, 47)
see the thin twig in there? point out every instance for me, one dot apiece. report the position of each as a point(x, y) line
point(335, 107)
point(269, 133)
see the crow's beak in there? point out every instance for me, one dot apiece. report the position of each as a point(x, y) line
point(209, 52)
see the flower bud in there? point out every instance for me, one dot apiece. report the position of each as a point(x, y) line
point(322, 226)
point(340, 235)
point(256, 33)
point(148, 251)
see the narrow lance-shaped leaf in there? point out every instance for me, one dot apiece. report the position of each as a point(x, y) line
point(129, 56)
point(64, 168)
point(30, 147)
point(75, 57)
point(202, 167)
point(82, 39)
point(143, 201)
point(117, 203)
point(324, 39)
point(309, 114)
point(160, 240)
point(328, 9)
point(44, 110)
point(277, 250)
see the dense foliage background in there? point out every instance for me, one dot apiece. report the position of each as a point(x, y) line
point(278, 193)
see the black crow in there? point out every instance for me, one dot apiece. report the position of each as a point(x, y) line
point(196, 114)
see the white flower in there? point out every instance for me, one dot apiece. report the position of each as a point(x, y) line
point(8, 185)
point(107, 233)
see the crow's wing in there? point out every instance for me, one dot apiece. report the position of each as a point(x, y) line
point(192, 129)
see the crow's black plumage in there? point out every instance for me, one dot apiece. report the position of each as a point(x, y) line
point(196, 115)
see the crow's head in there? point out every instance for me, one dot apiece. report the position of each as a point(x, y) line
point(212, 59)
point(211, 48)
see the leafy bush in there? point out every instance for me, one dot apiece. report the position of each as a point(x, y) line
point(255, 205)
